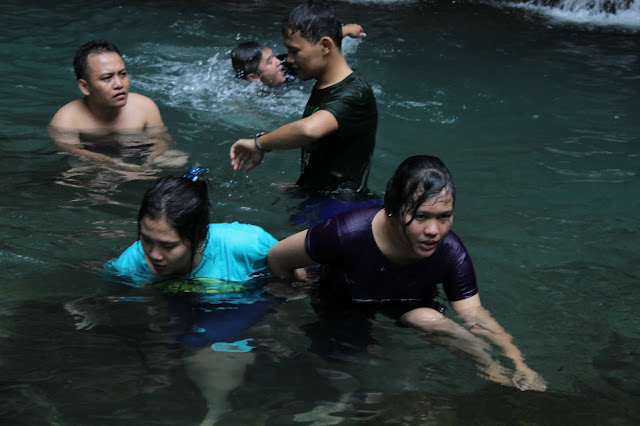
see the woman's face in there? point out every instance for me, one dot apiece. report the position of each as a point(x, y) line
point(430, 225)
point(165, 252)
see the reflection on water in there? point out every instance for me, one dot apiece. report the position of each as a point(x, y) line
point(128, 150)
point(620, 372)
point(102, 161)
point(499, 407)
point(99, 178)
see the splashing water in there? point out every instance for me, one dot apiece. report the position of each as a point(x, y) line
point(624, 13)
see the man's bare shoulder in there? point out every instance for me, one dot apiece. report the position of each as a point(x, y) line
point(74, 115)
point(137, 97)
point(147, 106)
point(140, 101)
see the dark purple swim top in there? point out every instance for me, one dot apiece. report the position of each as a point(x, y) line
point(353, 267)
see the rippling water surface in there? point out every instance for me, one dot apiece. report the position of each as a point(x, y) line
point(536, 114)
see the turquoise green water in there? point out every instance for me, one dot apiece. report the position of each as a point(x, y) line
point(538, 119)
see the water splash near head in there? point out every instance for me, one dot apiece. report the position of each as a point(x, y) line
point(208, 90)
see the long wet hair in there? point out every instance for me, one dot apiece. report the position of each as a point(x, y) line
point(80, 59)
point(246, 57)
point(416, 180)
point(184, 203)
point(314, 19)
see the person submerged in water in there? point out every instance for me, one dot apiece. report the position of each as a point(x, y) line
point(110, 124)
point(208, 273)
point(256, 62)
point(390, 259)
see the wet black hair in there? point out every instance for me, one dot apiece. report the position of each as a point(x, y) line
point(183, 203)
point(416, 180)
point(80, 60)
point(246, 57)
point(314, 19)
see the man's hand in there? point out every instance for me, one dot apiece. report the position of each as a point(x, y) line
point(245, 151)
point(353, 30)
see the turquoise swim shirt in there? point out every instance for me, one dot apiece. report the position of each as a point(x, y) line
point(233, 252)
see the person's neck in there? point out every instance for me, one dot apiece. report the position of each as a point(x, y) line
point(336, 71)
point(105, 115)
point(390, 239)
point(197, 258)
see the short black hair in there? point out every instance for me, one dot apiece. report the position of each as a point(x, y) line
point(314, 19)
point(246, 57)
point(94, 46)
point(416, 180)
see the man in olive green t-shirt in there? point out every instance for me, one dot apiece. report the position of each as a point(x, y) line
point(338, 128)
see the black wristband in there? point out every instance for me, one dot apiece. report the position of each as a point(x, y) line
point(255, 140)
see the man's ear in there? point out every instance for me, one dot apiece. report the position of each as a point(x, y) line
point(84, 86)
point(253, 77)
point(327, 44)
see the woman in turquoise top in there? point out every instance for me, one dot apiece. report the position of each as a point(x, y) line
point(209, 269)
point(177, 240)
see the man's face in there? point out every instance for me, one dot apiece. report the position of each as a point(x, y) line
point(303, 57)
point(106, 80)
point(165, 252)
point(270, 69)
point(430, 225)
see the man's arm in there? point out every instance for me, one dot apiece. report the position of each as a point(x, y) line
point(293, 135)
point(69, 140)
point(154, 127)
point(288, 255)
point(353, 30)
point(161, 139)
point(481, 323)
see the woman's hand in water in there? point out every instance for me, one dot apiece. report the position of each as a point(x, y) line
point(86, 313)
point(525, 378)
point(245, 151)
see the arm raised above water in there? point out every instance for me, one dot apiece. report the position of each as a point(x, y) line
point(290, 136)
point(353, 31)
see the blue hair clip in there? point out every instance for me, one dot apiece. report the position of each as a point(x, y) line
point(194, 172)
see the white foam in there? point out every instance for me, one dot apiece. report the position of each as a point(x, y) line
point(592, 12)
point(208, 89)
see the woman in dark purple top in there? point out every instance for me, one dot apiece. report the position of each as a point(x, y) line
point(395, 256)
point(355, 268)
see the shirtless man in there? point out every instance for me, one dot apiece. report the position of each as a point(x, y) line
point(128, 125)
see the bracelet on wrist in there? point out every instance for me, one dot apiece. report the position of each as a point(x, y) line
point(255, 140)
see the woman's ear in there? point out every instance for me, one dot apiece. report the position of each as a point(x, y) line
point(253, 77)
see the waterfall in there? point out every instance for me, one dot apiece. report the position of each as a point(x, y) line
point(595, 6)
point(624, 13)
